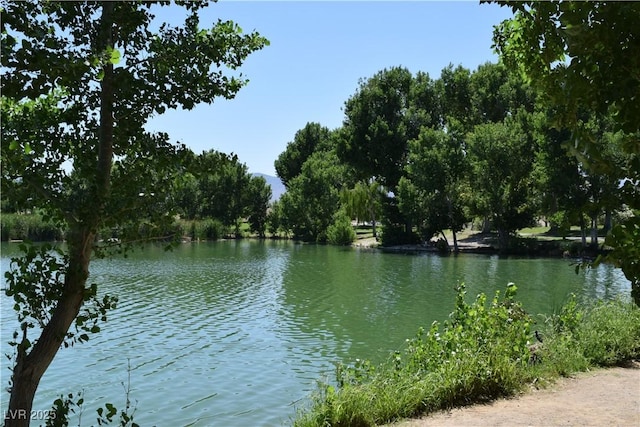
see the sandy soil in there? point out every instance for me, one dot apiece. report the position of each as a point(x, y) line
point(608, 397)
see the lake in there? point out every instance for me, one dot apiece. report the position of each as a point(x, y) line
point(238, 333)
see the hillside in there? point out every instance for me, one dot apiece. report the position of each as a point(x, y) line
point(277, 188)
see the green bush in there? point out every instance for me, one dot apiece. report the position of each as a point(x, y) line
point(341, 232)
point(28, 227)
point(482, 352)
point(610, 333)
point(209, 229)
point(478, 355)
point(603, 334)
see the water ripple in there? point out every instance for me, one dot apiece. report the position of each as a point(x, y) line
point(238, 333)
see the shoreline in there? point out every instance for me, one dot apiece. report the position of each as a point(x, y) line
point(481, 244)
point(608, 396)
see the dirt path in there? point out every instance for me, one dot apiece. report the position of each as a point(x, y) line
point(609, 397)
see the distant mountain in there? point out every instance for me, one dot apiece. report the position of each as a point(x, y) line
point(277, 188)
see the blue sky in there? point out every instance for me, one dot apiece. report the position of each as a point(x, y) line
point(318, 52)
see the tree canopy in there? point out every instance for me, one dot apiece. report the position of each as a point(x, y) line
point(585, 57)
point(80, 80)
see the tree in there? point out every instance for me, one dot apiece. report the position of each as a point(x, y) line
point(275, 220)
point(185, 192)
point(558, 179)
point(80, 81)
point(497, 93)
point(431, 188)
point(313, 197)
point(586, 55)
point(313, 137)
point(386, 112)
point(374, 137)
point(223, 183)
point(501, 159)
point(362, 202)
point(257, 203)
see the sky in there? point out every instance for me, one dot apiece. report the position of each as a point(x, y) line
point(318, 53)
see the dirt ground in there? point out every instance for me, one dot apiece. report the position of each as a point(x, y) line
point(607, 397)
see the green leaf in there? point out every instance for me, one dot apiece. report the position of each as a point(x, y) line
point(114, 56)
point(27, 148)
point(13, 145)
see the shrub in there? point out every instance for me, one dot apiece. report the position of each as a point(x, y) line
point(602, 334)
point(341, 232)
point(209, 229)
point(29, 227)
point(481, 353)
point(478, 355)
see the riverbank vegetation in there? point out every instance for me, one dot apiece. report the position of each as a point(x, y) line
point(549, 133)
point(484, 351)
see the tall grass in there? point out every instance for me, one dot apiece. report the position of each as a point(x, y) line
point(202, 229)
point(482, 352)
point(28, 227)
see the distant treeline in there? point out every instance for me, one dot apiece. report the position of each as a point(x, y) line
point(421, 155)
point(214, 198)
point(32, 227)
point(415, 156)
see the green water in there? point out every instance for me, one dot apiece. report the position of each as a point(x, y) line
point(237, 333)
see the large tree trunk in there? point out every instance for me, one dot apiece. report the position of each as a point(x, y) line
point(30, 367)
point(486, 225)
point(503, 240)
point(455, 241)
point(583, 231)
point(608, 221)
point(594, 231)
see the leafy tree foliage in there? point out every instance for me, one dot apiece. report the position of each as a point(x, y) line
point(586, 56)
point(313, 197)
point(223, 184)
point(80, 80)
point(276, 222)
point(501, 158)
point(375, 131)
point(217, 186)
point(363, 202)
point(257, 203)
point(431, 190)
point(497, 93)
point(308, 140)
point(388, 110)
point(341, 232)
point(454, 88)
point(558, 179)
point(186, 195)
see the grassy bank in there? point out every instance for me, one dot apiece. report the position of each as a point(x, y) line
point(28, 227)
point(34, 228)
point(484, 351)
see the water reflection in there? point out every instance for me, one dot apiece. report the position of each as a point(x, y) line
point(232, 333)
